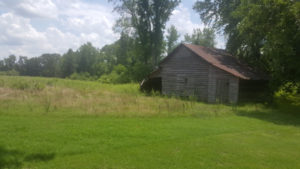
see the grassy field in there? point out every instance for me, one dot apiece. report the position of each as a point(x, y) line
point(52, 123)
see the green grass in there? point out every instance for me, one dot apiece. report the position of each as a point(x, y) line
point(53, 123)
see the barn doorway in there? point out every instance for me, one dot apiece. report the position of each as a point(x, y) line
point(152, 84)
point(222, 91)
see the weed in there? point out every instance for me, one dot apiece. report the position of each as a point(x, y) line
point(37, 86)
point(2, 83)
point(21, 85)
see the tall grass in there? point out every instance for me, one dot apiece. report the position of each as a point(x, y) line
point(55, 96)
point(56, 123)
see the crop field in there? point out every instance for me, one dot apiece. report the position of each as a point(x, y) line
point(48, 123)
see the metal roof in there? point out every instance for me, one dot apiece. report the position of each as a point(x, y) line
point(225, 61)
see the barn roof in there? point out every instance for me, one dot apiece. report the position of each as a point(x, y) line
point(225, 61)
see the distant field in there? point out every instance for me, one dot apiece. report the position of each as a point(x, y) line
point(63, 124)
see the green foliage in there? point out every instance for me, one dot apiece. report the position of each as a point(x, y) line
point(50, 65)
point(27, 85)
point(206, 37)
point(86, 56)
point(9, 63)
point(140, 71)
point(81, 76)
point(118, 75)
point(288, 97)
point(148, 20)
point(68, 63)
point(264, 33)
point(122, 74)
point(9, 73)
point(172, 38)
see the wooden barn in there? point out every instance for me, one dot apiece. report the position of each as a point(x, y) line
point(211, 75)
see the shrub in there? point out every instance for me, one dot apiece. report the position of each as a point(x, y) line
point(119, 74)
point(9, 73)
point(37, 86)
point(21, 85)
point(27, 85)
point(2, 83)
point(82, 76)
point(139, 71)
point(287, 98)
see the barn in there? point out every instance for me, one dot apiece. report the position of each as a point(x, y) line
point(211, 75)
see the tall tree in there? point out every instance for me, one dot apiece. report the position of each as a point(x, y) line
point(21, 65)
point(68, 63)
point(33, 67)
point(203, 38)
point(87, 56)
point(147, 19)
point(50, 65)
point(10, 62)
point(172, 38)
point(124, 50)
point(2, 65)
point(265, 33)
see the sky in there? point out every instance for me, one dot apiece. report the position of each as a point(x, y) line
point(33, 27)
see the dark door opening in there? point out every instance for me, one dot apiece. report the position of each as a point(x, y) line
point(152, 84)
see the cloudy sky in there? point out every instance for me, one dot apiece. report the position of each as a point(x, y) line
point(32, 27)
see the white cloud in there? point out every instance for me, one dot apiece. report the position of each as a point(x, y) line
point(181, 18)
point(32, 8)
point(34, 27)
point(70, 24)
point(40, 8)
point(16, 34)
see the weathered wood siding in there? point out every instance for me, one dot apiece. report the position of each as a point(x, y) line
point(185, 74)
point(216, 74)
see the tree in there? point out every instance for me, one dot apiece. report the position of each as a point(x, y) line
point(68, 63)
point(33, 67)
point(21, 65)
point(203, 38)
point(265, 33)
point(172, 38)
point(87, 55)
point(125, 50)
point(10, 62)
point(2, 65)
point(147, 20)
point(50, 65)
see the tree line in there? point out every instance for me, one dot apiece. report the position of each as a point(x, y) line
point(265, 34)
point(114, 63)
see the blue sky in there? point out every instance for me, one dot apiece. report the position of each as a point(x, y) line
point(32, 27)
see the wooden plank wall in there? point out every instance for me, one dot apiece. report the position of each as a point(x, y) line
point(185, 74)
point(215, 74)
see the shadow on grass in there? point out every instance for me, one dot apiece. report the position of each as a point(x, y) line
point(15, 159)
point(280, 117)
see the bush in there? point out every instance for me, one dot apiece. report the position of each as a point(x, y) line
point(21, 85)
point(139, 71)
point(27, 85)
point(2, 83)
point(287, 98)
point(82, 76)
point(119, 74)
point(9, 73)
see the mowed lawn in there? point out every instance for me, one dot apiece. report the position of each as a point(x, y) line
point(54, 123)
